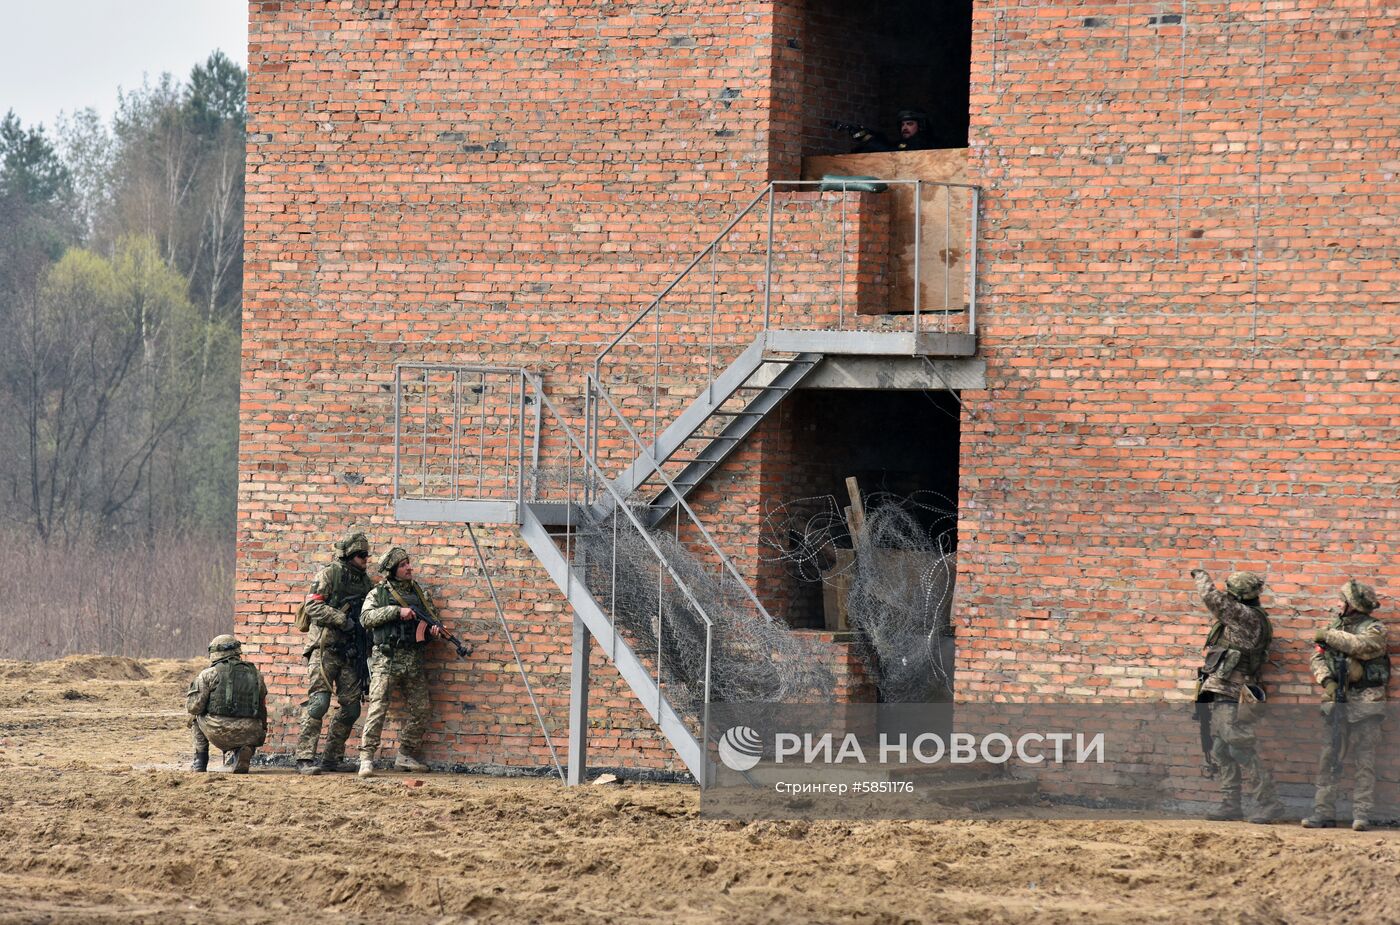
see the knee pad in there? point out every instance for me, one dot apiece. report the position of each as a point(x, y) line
point(351, 710)
point(317, 704)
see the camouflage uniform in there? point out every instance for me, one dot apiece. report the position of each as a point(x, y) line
point(1235, 653)
point(396, 663)
point(227, 703)
point(331, 652)
point(1361, 638)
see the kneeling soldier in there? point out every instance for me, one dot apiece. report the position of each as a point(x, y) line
point(1353, 667)
point(391, 616)
point(228, 706)
point(1236, 650)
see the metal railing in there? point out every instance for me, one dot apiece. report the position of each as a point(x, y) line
point(792, 258)
point(619, 532)
point(463, 433)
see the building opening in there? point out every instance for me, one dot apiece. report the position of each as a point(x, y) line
point(881, 568)
point(863, 63)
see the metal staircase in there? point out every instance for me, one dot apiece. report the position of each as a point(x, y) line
point(737, 401)
point(493, 447)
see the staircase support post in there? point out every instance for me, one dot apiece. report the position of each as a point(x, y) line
point(578, 705)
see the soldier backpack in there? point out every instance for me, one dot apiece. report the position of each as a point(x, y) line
point(235, 690)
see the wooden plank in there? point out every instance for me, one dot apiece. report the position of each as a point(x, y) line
point(855, 514)
point(943, 258)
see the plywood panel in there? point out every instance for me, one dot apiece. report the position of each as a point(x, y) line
point(944, 216)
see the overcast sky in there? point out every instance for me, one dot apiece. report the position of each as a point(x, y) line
point(65, 55)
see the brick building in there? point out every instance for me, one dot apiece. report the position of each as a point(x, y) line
point(1185, 302)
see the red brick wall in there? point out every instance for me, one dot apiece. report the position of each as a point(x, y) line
point(1189, 315)
point(1188, 308)
point(451, 181)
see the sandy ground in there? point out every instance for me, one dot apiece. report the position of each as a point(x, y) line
point(100, 824)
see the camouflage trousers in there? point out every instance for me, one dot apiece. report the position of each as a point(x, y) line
point(401, 670)
point(328, 672)
point(1234, 749)
point(1360, 742)
point(228, 732)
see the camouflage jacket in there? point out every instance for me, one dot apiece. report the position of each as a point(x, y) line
point(202, 687)
point(381, 610)
point(333, 592)
point(1246, 628)
point(1361, 638)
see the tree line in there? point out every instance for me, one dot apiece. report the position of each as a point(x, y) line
point(121, 264)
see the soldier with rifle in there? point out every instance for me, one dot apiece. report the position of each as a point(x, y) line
point(401, 618)
point(1229, 693)
point(336, 651)
point(1353, 666)
point(913, 134)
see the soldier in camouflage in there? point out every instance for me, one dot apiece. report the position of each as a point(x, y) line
point(397, 660)
point(332, 654)
point(227, 703)
point(1236, 650)
point(1353, 666)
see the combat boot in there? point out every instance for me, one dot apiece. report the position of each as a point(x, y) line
point(1361, 824)
point(329, 766)
point(201, 760)
point(366, 767)
point(1228, 811)
point(245, 758)
point(406, 762)
point(1269, 813)
point(1317, 821)
point(308, 767)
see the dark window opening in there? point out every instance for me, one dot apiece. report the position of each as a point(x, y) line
point(897, 444)
point(864, 62)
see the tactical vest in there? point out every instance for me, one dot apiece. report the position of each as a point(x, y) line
point(400, 633)
point(1375, 672)
point(351, 588)
point(1222, 661)
point(235, 690)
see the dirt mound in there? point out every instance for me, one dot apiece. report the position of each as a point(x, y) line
point(98, 668)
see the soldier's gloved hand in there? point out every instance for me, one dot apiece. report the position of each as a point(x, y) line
point(1198, 572)
point(406, 614)
point(1330, 688)
point(1320, 636)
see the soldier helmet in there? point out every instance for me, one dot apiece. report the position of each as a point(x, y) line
point(392, 559)
point(225, 646)
point(1360, 597)
point(912, 115)
point(1244, 586)
point(352, 544)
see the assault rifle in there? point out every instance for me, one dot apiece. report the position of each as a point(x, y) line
point(425, 620)
point(1337, 716)
point(850, 128)
point(357, 649)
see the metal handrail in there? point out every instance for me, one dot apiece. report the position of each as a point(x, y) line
point(769, 189)
point(598, 473)
point(694, 518)
point(598, 360)
point(711, 250)
point(573, 441)
point(515, 418)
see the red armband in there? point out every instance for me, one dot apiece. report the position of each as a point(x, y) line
point(317, 598)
